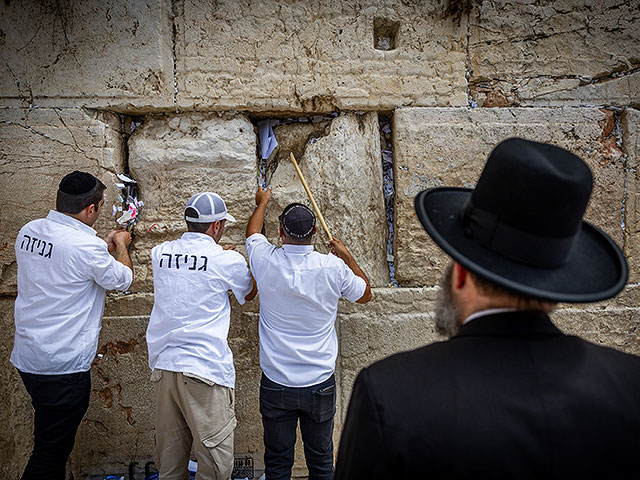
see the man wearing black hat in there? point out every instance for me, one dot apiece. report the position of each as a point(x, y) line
point(64, 270)
point(509, 395)
point(299, 291)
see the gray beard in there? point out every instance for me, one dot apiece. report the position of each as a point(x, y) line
point(448, 317)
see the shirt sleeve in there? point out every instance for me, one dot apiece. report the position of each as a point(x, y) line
point(257, 247)
point(352, 287)
point(239, 280)
point(105, 270)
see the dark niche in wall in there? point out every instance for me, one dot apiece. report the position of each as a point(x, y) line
point(385, 34)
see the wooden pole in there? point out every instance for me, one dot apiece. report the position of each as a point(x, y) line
point(313, 202)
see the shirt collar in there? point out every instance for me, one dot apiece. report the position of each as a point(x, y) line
point(69, 221)
point(199, 237)
point(518, 323)
point(489, 311)
point(297, 249)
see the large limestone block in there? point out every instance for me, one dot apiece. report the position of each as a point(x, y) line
point(37, 148)
point(318, 56)
point(341, 163)
point(105, 54)
point(631, 145)
point(16, 413)
point(118, 304)
point(395, 320)
point(175, 156)
point(567, 52)
point(449, 147)
point(613, 323)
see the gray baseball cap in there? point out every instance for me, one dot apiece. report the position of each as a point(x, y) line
point(209, 208)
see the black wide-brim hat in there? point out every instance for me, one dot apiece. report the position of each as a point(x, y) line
point(522, 226)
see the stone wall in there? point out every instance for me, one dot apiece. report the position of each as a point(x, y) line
point(171, 91)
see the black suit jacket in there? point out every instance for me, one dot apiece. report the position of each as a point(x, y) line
point(509, 397)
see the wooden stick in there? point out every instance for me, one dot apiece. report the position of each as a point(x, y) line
point(313, 202)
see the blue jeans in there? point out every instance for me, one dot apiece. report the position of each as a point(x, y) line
point(60, 402)
point(281, 407)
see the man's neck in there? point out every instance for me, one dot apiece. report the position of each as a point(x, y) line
point(80, 217)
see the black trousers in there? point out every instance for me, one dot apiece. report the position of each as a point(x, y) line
point(60, 402)
point(281, 408)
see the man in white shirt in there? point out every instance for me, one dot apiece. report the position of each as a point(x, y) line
point(299, 292)
point(63, 272)
point(191, 363)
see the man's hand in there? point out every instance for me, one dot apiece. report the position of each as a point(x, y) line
point(228, 247)
point(121, 238)
point(338, 249)
point(263, 195)
point(109, 239)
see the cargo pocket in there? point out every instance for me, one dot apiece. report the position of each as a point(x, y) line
point(216, 438)
point(156, 375)
point(324, 403)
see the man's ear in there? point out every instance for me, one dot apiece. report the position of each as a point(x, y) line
point(90, 210)
point(460, 275)
point(315, 229)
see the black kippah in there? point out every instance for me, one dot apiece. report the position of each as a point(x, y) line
point(298, 220)
point(77, 183)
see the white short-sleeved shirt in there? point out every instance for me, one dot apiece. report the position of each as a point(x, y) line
point(63, 272)
point(189, 323)
point(299, 291)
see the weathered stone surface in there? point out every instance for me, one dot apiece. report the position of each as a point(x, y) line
point(613, 323)
point(118, 427)
point(243, 340)
point(16, 414)
point(631, 145)
point(343, 169)
point(105, 54)
point(449, 147)
point(37, 148)
point(395, 320)
point(567, 52)
point(176, 156)
point(118, 304)
point(318, 56)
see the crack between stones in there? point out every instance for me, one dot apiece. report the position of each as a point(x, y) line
point(70, 133)
point(388, 189)
point(44, 135)
point(617, 132)
point(467, 62)
point(599, 78)
point(174, 34)
point(27, 100)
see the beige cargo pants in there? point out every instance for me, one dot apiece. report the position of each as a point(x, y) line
point(193, 412)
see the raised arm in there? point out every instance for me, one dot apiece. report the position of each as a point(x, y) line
point(338, 249)
point(121, 240)
point(257, 218)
